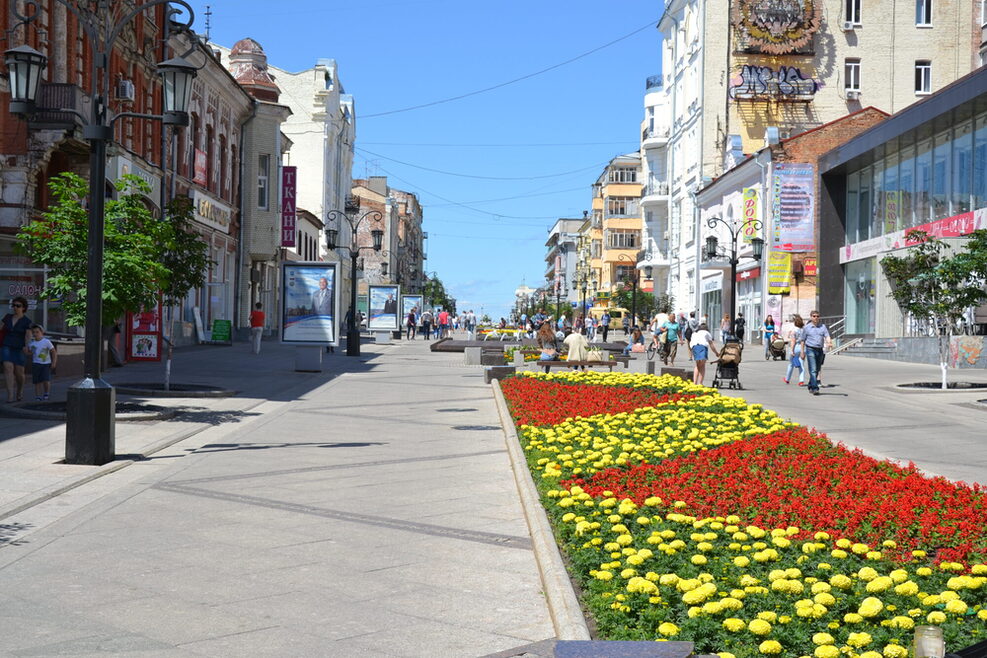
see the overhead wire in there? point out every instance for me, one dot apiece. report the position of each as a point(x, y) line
point(515, 80)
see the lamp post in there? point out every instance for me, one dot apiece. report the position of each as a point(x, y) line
point(635, 281)
point(582, 281)
point(712, 251)
point(90, 432)
point(332, 233)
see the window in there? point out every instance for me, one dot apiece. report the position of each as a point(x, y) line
point(923, 76)
point(962, 167)
point(941, 175)
point(623, 176)
point(983, 13)
point(851, 75)
point(923, 181)
point(923, 12)
point(980, 162)
point(852, 10)
point(621, 206)
point(622, 239)
point(623, 273)
point(263, 174)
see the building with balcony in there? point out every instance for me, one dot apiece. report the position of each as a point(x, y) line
point(736, 83)
point(655, 199)
point(561, 257)
point(409, 270)
point(617, 195)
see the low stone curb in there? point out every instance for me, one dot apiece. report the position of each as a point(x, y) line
point(563, 604)
point(203, 392)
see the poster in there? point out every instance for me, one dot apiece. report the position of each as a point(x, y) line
point(793, 210)
point(752, 225)
point(779, 273)
point(309, 303)
point(383, 313)
point(409, 302)
point(144, 333)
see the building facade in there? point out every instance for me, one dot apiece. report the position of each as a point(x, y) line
point(560, 259)
point(737, 81)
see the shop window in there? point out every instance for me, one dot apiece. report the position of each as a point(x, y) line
point(941, 175)
point(860, 296)
point(962, 167)
point(980, 163)
point(923, 182)
point(851, 220)
point(865, 208)
point(878, 195)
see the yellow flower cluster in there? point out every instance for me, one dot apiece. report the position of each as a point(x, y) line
point(767, 593)
point(634, 380)
point(583, 446)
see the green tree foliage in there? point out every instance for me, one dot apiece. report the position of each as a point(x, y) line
point(143, 256)
point(436, 295)
point(936, 284)
point(648, 304)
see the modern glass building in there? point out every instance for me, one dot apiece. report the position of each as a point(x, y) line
point(923, 167)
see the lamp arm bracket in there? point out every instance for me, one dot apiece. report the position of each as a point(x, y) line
point(135, 115)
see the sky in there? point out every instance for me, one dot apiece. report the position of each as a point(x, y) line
point(493, 170)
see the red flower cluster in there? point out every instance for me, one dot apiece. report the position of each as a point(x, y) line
point(538, 402)
point(797, 476)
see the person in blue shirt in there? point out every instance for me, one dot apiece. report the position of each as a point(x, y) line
point(671, 329)
point(815, 341)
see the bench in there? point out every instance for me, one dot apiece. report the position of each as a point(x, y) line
point(548, 365)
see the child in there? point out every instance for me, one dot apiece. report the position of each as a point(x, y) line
point(42, 363)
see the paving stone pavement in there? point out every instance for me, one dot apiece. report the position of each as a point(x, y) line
point(373, 514)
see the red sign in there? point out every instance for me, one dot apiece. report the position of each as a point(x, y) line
point(748, 274)
point(809, 267)
point(200, 175)
point(289, 179)
point(144, 335)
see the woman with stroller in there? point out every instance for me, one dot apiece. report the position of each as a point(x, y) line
point(769, 333)
point(796, 360)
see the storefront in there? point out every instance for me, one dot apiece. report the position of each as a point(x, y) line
point(749, 298)
point(924, 168)
point(19, 277)
point(712, 301)
point(214, 300)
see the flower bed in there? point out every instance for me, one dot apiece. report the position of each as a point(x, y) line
point(687, 515)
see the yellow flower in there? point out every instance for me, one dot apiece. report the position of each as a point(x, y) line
point(880, 584)
point(936, 617)
point(770, 647)
point(768, 616)
point(759, 627)
point(741, 561)
point(907, 588)
point(859, 639)
point(823, 638)
point(956, 606)
point(895, 651)
point(826, 651)
point(698, 559)
point(870, 607)
point(734, 625)
point(668, 629)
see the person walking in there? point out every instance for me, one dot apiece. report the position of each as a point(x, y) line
point(443, 323)
point(605, 324)
point(626, 324)
point(700, 344)
point(769, 333)
point(739, 325)
point(797, 357)
point(411, 323)
point(671, 330)
point(426, 323)
point(815, 341)
point(43, 361)
point(725, 327)
point(15, 328)
point(691, 327)
point(256, 327)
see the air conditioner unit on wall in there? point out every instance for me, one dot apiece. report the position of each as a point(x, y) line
point(125, 91)
point(852, 94)
point(848, 26)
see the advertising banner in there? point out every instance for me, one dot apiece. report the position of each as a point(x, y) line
point(383, 308)
point(779, 273)
point(144, 333)
point(288, 201)
point(793, 209)
point(309, 303)
point(750, 210)
point(409, 303)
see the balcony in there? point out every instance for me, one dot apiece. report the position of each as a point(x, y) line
point(59, 95)
point(653, 83)
point(654, 138)
point(655, 193)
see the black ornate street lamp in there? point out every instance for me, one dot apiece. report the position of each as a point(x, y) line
point(377, 234)
point(635, 281)
point(90, 432)
point(712, 250)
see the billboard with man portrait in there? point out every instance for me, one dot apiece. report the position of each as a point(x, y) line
point(309, 303)
point(383, 315)
point(411, 303)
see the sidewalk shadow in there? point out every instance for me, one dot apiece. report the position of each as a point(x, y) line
point(227, 447)
point(8, 532)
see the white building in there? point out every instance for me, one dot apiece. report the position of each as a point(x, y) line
point(655, 199)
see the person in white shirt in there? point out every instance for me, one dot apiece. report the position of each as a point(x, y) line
point(700, 343)
point(43, 358)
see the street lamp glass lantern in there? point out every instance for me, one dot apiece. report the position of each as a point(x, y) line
point(648, 271)
point(24, 65)
point(383, 269)
point(378, 236)
point(757, 245)
point(331, 236)
point(712, 244)
point(178, 74)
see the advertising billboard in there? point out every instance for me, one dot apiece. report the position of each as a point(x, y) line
point(383, 315)
point(792, 195)
point(409, 302)
point(309, 303)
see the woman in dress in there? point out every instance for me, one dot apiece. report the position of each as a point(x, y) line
point(15, 327)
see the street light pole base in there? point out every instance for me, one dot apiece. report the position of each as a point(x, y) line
point(90, 428)
point(352, 343)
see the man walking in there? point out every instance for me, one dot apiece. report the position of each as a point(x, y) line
point(815, 340)
point(256, 326)
point(605, 324)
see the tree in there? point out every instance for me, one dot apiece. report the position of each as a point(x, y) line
point(647, 303)
point(937, 284)
point(144, 258)
point(436, 295)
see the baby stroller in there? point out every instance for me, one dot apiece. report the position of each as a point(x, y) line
point(776, 349)
point(728, 365)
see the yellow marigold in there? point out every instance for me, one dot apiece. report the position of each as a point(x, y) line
point(859, 639)
point(741, 561)
point(838, 554)
point(824, 598)
point(759, 627)
point(823, 638)
point(768, 616)
point(668, 629)
point(668, 579)
point(840, 581)
point(923, 571)
point(880, 584)
point(895, 651)
point(870, 607)
point(907, 588)
point(770, 647)
point(734, 625)
point(860, 549)
point(852, 618)
point(826, 651)
point(956, 606)
point(867, 574)
point(901, 621)
point(936, 617)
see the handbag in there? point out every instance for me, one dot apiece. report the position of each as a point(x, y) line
point(594, 355)
point(3, 328)
point(638, 347)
